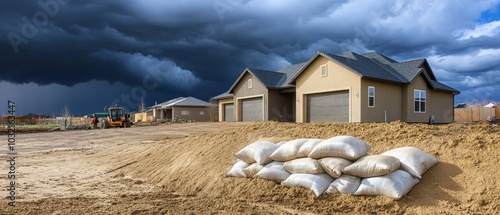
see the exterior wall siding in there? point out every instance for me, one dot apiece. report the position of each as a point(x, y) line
point(388, 101)
point(439, 103)
point(242, 91)
point(338, 79)
point(442, 106)
point(411, 116)
point(194, 113)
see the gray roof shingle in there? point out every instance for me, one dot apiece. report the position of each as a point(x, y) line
point(290, 72)
point(365, 67)
point(223, 96)
point(371, 65)
point(440, 86)
point(183, 102)
point(268, 78)
point(409, 69)
point(379, 57)
point(377, 66)
point(273, 79)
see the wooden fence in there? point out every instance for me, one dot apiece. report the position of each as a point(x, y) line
point(475, 114)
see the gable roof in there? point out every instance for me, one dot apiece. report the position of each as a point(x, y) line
point(365, 67)
point(290, 72)
point(223, 96)
point(182, 102)
point(268, 78)
point(272, 79)
point(374, 65)
point(379, 57)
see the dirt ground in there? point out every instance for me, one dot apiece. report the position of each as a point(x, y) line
point(180, 169)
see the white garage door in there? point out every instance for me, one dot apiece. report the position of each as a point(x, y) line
point(251, 110)
point(328, 107)
point(229, 113)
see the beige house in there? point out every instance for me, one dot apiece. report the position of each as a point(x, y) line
point(182, 108)
point(341, 88)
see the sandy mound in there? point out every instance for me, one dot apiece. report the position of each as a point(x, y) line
point(464, 181)
point(180, 169)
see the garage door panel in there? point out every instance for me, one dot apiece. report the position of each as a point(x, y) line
point(328, 107)
point(229, 113)
point(251, 110)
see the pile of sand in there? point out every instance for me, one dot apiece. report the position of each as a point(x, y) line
point(180, 169)
point(464, 181)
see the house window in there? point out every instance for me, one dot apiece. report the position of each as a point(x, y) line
point(371, 96)
point(202, 113)
point(324, 70)
point(420, 100)
point(250, 83)
point(185, 112)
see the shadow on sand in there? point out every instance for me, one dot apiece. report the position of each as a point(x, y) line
point(434, 186)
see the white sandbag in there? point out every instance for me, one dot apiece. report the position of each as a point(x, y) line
point(372, 165)
point(280, 143)
point(334, 166)
point(347, 184)
point(252, 170)
point(273, 171)
point(413, 160)
point(347, 147)
point(318, 183)
point(237, 169)
point(306, 148)
point(288, 151)
point(303, 165)
point(395, 185)
point(259, 152)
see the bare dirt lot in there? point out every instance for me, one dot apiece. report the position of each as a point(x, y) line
point(180, 169)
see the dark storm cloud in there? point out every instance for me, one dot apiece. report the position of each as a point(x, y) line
point(200, 47)
point(121, 41)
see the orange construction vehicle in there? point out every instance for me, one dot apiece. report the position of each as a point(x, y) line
point(116, 117)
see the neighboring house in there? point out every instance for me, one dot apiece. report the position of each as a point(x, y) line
point(342, 88)
point(182, 108)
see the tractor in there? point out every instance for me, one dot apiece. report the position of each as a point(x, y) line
point(115, 117)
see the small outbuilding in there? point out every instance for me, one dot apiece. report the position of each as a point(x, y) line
point(183, 108)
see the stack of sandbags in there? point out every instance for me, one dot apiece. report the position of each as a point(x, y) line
point(305, 172)
point(414, 162)
point(334, 155)
point(379, 176)
point(337, 165)
point(393, 173)
point(252, 158)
